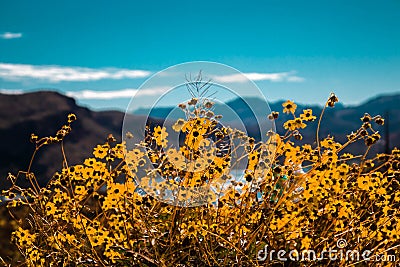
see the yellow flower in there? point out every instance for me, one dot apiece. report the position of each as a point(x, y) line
point(294, 124)
point(343, 169)
point(307, 115)
point(111, 253)
point(253, 158)
point(116, 189)
point(24, 237)
point(381, 191)
point(80, 190)
point(307, 194)
point(195, 130)
point(344, 213)
point(397, 198)
point(289, 107)
point(299, 123)
point(96, 236)
point(71, 117)
point(35, 256)
point(364, 182)
point(306, 242)
point(177, 127)
point(119, 150)
point(89, 162)
point(176, 158)
point(160, 134)
point(101, 151)
point(290, 125)
point(330, 143)
point(50, 208)
point(280, 223)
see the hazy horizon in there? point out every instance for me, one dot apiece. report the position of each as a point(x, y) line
point(124, 107)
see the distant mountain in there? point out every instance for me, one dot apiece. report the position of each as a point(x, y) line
point(338, 121)
point(43, 113)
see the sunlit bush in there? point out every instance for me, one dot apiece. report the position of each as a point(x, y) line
point(300, 197)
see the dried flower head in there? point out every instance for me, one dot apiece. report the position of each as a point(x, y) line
point(332, 100)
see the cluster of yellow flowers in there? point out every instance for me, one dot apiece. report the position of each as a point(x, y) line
point(96, 214)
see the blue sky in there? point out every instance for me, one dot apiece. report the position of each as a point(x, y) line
point(100, 52)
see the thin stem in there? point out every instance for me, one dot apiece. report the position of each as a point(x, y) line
point(318, 127)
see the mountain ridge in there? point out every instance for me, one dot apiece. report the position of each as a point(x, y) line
point(43, 113)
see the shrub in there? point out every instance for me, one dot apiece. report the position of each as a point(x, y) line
point(292, 197)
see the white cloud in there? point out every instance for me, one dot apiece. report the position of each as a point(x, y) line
point(295, 79)
point(255, 76)
point(10, 35)
point(123, 93)
point(51, 73)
